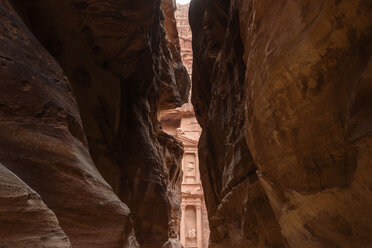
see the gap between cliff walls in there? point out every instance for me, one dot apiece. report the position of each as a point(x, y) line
point(182, 124)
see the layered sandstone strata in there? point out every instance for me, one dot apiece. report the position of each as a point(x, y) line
point(281, 90)
point(82, 83)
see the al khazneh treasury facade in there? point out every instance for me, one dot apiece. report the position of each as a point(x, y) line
point(182, 124)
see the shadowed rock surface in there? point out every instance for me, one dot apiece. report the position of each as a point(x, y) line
point(43, 142)
point(280, 90)
point(25, 221)
point(123, 70)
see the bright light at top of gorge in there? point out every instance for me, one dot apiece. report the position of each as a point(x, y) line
point(182, 1)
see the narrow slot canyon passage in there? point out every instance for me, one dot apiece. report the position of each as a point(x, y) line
point(182, 124)
point(178, 124)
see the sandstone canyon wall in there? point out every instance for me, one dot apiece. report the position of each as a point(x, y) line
point(282, 90)
point(185, 35)
point(82, 83)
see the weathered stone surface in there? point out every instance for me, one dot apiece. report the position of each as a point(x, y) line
point(282, 91)
point(304, 100)
point(43, 143)
point(175, 84)
point(123, 63)
point(239, 212)
point(174, 243)
point(185, 35)
point(282, 87)
point(25, 221)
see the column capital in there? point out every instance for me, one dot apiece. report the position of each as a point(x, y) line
point(198, 206)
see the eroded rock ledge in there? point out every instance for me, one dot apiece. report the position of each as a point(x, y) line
point(280, 89)
point(82, 83)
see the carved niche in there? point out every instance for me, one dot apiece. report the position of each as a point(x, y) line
point(189, 168)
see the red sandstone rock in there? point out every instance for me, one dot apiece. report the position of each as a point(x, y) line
point(277, 88)
point(175, 85)
point(185, 35)
point(281, 89)
point(25, 221)
point(239, 211)
point(307, 103)
point(43, 142)
point(122, 70)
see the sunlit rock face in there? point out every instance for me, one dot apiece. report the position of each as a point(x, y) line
point(82, 84)
point(280, 90)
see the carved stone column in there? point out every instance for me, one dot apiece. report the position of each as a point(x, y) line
point(183, 226)
point(199, 230)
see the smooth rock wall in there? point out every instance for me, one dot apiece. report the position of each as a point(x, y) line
point(280, 90)
point(43, 142)
point(25, 221)
point(82, 85)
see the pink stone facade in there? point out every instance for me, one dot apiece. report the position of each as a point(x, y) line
point(185, 36)
point(182, 124)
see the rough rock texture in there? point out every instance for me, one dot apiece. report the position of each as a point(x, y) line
point(172, 243)
point(283, 87)
point(175, 81)
point(122, 70)
point(239, 212)
point(43, 143)
point(185, 35)
point(25, 221)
